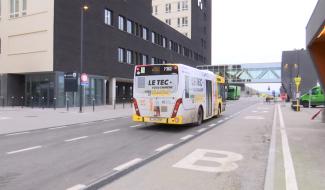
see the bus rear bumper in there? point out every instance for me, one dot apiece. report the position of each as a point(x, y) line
point(173, 121)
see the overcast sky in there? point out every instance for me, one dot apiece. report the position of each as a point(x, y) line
point(254, 31)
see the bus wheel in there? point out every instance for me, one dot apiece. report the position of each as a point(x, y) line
point(199, 117)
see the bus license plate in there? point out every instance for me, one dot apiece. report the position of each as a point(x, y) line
point(157, 119)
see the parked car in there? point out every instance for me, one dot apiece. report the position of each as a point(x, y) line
point(316, 98)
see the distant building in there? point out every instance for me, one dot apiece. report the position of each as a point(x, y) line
point(294, 63)
point(40, 43)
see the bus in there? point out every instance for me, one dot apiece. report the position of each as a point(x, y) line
point(176, 94)
point(233, 92)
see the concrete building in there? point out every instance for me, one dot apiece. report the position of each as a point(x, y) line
point(40, 42)
point(294, 63)
point(176, 14)
point(315, 40)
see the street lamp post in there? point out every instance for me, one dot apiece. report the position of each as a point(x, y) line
point(84, 8)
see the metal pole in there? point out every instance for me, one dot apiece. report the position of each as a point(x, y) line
point(54, 103)
point(309, 99)
point(93, 104)
point(81, 53)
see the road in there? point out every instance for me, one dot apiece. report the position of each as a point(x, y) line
point(60, 158)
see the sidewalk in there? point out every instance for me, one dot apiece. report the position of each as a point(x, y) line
point(17, 119)
point(306, 139)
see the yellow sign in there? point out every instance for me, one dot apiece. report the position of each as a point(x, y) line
point(297, 81)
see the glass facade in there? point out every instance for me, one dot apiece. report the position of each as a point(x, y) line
point(47, 90)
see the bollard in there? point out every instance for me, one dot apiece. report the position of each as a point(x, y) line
point(22, 101)
point(67, 104)
point(114, 103)
point(54, 103)
point(131, 102)
point(43, 102)
point(93, 104)
point(32, 101)
point(12, 101)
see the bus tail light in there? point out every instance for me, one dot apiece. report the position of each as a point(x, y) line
point(136, 107)
point(177, 104)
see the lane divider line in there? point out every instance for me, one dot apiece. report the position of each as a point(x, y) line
point(211, 125)
point(127, 164)
point(134, 126)
point(112, 131)
point(187, 137)
point(14, 134)
point(289, 170)
point(24, 150)
point(220, 121)
point(77, 187)
point(75, 139)
point(61, 127)
point(165, 147)
point(202, 130)
point(269, 177)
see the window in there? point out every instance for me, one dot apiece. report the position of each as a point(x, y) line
point(144, 33)
point(184, 21)
point(164, 42)
point(129, 26)
point(153, 37)
point(24, 7)
point(184, 5)
point(168, 21)
point(178, 22)
point(179, 6)
point(121, 22)
point(120, 55)
point(168, 8)
point(129, 57)
point(144, 59)
point(14, 8)
point(156, 10)
point(108, 17)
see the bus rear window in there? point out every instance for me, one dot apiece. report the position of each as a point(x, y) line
point(156, 70)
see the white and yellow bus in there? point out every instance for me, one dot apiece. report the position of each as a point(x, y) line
point(176, 94)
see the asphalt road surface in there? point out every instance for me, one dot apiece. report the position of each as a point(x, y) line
point(62, 157)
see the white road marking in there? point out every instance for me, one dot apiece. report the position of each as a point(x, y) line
point(225, 163)
point(128, 164)
point(14, 134)
point(5, 118)
point(134, 126)
point(254, 118)
point(226, 118)
point(86, 123)
point(213, 124)
point(165, 147)
point(75, 139)
point(61, 127)
point(25, 149)
point(112, 131)
point(269, 178)
point(187, 137)
point(265, 111)
point(77, 187)
point(254, 111)
point(290, 175)
point(202, 130)
point(220, 121)
point(110, 119)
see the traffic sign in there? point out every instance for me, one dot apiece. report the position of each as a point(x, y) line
point(84, 79)
point(70, 82)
